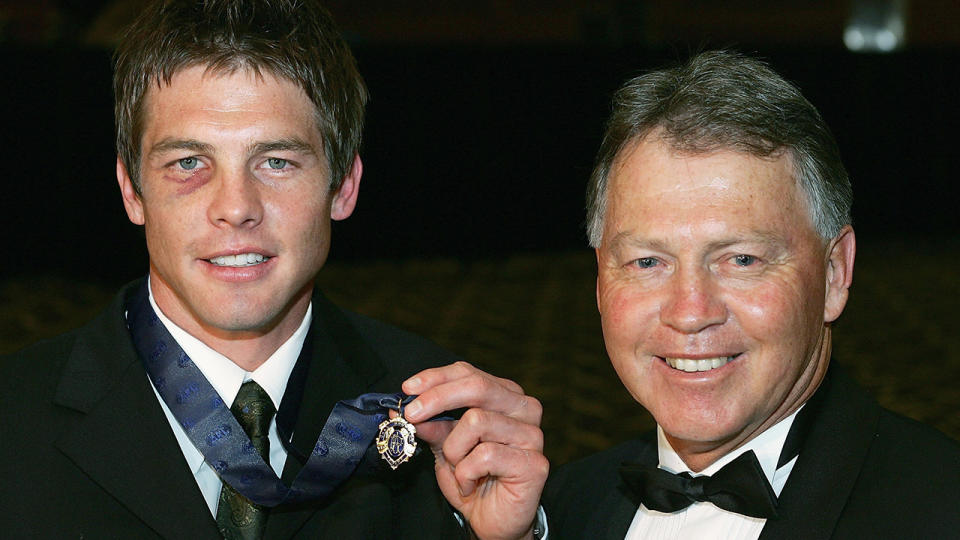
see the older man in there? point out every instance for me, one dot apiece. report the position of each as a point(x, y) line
point(720, 214)
point(223, 396)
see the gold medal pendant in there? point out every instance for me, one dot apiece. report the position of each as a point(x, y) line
point(396, 441)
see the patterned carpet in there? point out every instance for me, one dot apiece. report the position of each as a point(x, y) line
point(533, 318)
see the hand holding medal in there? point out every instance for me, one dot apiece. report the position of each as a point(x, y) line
point(490, 464)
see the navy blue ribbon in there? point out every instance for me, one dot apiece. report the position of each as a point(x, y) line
point(208, 422)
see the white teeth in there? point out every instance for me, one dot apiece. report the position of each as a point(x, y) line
point(242, 259)
point(703, 364)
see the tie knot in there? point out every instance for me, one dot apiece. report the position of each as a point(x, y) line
point(695, 486)
point(253, 409)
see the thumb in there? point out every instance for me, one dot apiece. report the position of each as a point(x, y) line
point(435, 433)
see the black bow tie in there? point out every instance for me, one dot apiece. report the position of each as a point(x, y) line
point(739, 486)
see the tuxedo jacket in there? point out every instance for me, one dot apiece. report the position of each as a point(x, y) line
point(863, 472)
point(88, 453)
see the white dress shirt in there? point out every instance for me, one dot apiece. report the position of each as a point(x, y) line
point(226, 378)
point(703, 519)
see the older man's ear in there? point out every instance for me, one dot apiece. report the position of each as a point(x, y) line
point(843, 250)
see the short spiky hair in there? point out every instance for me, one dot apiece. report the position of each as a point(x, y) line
point(723, 100)
point(291, 39)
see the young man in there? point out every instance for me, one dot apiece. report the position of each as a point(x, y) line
point(720, 214)
point(198, 405)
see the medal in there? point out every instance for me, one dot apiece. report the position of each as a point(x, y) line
point(396, 441)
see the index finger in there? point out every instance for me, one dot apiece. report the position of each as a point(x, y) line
point(467, 387)
point(431, 377)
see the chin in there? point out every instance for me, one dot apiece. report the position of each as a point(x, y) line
point(698, 427)
point(242, 317)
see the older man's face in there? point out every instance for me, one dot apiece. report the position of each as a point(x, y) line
point(714, 290)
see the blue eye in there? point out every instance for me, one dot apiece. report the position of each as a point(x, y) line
point(645, 262)
point(276, 163)
point(744, 260)
point(188, 163)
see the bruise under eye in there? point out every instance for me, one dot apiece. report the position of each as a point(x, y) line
point(196, 179)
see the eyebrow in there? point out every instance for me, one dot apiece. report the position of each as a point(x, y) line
point(168, 144)
point(627, 238)
point(292, 144)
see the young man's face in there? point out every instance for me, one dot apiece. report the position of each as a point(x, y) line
point(235, 202)
point(714, 290)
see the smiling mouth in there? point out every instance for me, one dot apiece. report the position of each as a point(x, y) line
point(239, 260)
point(691, 365)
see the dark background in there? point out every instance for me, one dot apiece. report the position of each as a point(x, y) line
point(483, 120)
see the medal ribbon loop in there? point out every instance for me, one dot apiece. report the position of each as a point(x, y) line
point(343, 441)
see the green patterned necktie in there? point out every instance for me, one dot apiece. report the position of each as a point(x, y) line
point(237, 517)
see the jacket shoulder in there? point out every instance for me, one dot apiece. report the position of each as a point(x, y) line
point(42, 364)
point(917, 438)
point(908, 485)
point(36, 367)
point(915, 463)
point(54, 346)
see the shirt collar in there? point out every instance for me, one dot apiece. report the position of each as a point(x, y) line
point(766, 446)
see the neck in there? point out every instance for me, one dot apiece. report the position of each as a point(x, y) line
point(248, 348)
point(698, 455)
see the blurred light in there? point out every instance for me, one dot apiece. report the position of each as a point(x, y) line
point(876, 26)
point(853, 38)
point(886, 41)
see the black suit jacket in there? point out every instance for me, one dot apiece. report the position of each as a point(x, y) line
point(87, 452)
point(863, 472)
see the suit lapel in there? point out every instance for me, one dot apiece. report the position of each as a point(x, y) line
point(829, 463)
point(620, 511)
point(342, 366)
point(123, 442)
point(617, 510)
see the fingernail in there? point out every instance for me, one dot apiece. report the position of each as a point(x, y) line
point(412, 409)
point(412, 384)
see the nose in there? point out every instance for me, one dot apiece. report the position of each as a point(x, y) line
point(691, 303)
point(236, 201)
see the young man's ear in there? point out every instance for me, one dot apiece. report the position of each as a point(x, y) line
point(131, 200)
point(843, 250)
point(345, 198)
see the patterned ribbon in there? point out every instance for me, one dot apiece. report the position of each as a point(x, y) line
point(348, 432)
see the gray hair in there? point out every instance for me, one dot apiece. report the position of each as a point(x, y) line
point(724, 100)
